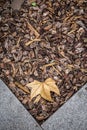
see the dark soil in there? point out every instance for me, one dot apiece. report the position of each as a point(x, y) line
point(59, 36)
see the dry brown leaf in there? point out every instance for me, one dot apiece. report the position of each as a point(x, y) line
point(43, 89)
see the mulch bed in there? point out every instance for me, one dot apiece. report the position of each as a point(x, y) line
point(42, 41)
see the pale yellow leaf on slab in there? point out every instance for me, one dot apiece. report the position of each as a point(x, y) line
point(43, 89)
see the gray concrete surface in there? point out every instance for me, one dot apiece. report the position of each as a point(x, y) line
point(72, 115)
point(13, 116)
point(16, 4)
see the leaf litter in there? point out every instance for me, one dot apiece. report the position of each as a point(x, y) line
point(41, 42)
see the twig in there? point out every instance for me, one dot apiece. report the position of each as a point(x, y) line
point(33, 30)
point(14, 70)
point(21, 87)
point(63, 55)
point(70, 66)
point(4, 36)
point(18, 41)
point(47, 65)
point(34, 40)
point(83, 70)
point(57, 70)
point(71, 31)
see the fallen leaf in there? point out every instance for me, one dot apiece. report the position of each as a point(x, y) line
point(43, 89)
point(37, 99)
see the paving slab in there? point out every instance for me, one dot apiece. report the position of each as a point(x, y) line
point(16, 4)
point(72, 115)
point(13, 115)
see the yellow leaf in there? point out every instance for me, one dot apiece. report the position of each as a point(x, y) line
point(43, 89)
point(37, 99)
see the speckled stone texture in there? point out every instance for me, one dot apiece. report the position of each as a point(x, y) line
point(72, 115)
point(13, 116)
